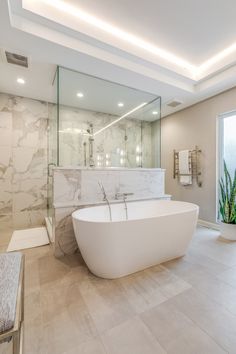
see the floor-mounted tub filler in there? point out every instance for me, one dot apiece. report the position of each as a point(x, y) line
point(156, 231)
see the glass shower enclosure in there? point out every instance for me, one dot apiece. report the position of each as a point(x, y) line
point(95, 123)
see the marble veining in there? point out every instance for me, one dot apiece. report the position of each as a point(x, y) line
point(118, 143)
point(23, 161)
point(78, 188)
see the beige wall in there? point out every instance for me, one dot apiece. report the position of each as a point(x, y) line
point(196, 125)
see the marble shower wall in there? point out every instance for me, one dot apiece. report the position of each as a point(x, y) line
point(74, 122)
point(24, 150)
point(23, 161)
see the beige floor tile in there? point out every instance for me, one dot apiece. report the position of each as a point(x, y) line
point(142, 291)
point(34, 337)
point(63, 307)
point(228, 276)
point(106, 301)
point(32, 282)
point(177, 333)
point(3, 249)
point(94, 346)
point(209, 243)
point(32, 306)
point(131, 337)
point(204, 281)
point(52, 269)
point(185, 303)
point(217, 322)
point(210, 285)
point(37, 253)
point(211, 265)
point(6, 348)
point(5, 234)
point(170, 284)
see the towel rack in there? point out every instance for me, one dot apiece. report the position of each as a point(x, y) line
point(194, 165)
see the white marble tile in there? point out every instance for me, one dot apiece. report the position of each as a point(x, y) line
point(5, 128)
point(67, 186)
point(125, 135)
point(65, 242)
point(5, 156)
point(23, 160)
point(90, 190)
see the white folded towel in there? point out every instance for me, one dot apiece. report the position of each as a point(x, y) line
point(184, 167)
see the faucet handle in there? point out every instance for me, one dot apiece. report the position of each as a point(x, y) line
point(123, 195)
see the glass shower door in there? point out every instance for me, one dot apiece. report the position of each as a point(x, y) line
point(52, 155)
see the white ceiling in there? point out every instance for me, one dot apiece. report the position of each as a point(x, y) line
point(189, 30)
point(38, 80)
point(195, 30)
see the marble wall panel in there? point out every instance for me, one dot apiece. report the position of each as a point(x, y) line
point(67, 186)
point(78, 188)
point(23, 160)
point(65, 242)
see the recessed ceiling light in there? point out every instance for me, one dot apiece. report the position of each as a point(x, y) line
point(20, 80)
point(80, 94)
point(154, 113)
point(120, 104)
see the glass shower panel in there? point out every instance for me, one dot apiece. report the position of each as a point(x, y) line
point(52, 145)
point(103, 124)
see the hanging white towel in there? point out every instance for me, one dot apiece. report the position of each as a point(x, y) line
point(185, 167)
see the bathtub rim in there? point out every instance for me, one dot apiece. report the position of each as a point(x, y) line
point(195, 207)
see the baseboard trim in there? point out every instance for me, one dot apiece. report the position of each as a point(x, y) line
point(209, 225)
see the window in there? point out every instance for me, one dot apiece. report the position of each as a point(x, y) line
point(227, 144)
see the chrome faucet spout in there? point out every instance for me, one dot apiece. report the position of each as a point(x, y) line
point(103, 190)
point(124, 197)
point(105, 199)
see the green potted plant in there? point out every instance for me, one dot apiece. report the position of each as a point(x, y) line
point(228, 205)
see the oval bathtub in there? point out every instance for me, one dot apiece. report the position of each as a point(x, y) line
point(156, 231)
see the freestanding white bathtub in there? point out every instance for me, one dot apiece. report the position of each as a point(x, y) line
point(156, 231)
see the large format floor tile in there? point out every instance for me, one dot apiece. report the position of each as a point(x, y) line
point(184, 306)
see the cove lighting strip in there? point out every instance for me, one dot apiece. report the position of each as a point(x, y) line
point(122, 117)
point(195, 71)
point(119, 33)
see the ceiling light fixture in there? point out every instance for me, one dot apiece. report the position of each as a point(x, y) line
point(154, 113)
point(120, 104)
point(20, 80)
point(80, 94)
point(120, 118)
point(119, 33)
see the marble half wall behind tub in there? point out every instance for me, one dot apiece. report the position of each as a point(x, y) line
point(77, 188)
point(23, 162)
